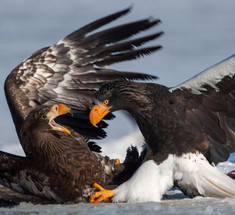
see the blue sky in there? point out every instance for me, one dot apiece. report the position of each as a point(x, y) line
point(198, 34)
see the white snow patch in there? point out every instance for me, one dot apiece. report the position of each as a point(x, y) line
point(226, 167)
point(194, 206)
point(117, 148)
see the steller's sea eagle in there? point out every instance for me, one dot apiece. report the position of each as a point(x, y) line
point(187, 128)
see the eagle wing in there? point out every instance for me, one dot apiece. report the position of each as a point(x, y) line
point(210, 106)
point(71, 70)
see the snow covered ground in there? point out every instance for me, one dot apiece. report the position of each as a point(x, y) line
point(198, 205)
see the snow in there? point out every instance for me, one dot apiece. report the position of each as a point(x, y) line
point(116, 148)
point(227, 166)
point(198, 205)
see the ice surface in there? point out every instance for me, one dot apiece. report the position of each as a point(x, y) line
point(227, 166)
point(198, 205)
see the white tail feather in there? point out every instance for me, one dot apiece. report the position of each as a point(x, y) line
point(216, 184)
point(196, 175)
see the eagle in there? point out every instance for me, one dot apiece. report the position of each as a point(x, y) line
point(61, 162)
point(188, 128)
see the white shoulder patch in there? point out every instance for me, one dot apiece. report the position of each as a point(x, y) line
point(210, 76)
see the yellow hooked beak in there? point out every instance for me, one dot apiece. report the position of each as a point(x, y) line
point(55, 111)
point(98, 112)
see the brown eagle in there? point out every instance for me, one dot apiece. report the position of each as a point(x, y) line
point(59, 163)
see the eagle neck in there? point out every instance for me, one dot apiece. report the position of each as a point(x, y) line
point(148, 109)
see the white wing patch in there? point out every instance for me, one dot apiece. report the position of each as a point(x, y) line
point(210, 76)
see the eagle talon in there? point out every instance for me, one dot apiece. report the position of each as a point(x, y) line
point(117, 162)
point(101, 195)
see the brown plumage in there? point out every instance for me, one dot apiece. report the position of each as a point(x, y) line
point(193, 121)
point(178, 117)
point(61, 165)
point(65, 159)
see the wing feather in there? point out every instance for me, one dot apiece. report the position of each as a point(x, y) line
point(210, 106)
point(71, 70)
point(210, 77)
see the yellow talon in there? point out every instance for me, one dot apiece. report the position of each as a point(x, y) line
point(98, 187)
point(101, 195)
point(117, 161)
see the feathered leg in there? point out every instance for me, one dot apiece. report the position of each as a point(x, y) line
point(148, 183)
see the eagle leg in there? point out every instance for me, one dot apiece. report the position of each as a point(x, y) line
point(102, 195)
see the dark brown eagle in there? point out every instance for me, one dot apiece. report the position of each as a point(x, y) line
point(59, 165)
point(187, 128)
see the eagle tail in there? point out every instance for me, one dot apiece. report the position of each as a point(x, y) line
point(216, 184)
point(197, 176)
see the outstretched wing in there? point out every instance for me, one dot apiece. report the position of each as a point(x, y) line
point(71, 70)
point(210, 106)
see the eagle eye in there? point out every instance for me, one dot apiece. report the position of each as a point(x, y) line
point(106, 101)
point(44, 116)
